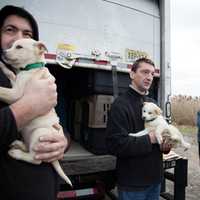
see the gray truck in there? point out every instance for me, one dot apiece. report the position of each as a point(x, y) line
point(91, 46)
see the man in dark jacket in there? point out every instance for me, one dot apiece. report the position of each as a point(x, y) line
point(139, 159)
point(18, 179)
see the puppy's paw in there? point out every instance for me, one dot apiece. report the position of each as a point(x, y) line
point(131, 134)
point(16, 154)
point(11, 76)
point(21, 155)
point(17, 144)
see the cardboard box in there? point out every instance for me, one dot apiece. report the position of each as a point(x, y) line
point(99, 106)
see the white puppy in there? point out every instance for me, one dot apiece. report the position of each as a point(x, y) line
point(26, 55)
point(154, 121)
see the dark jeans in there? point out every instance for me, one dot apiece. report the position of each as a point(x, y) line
point(151, 193)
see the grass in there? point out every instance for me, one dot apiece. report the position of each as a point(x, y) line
point(187, 129)
point(184, 110)
point(184, 113)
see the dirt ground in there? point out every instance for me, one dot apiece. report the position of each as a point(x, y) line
point(193, 188)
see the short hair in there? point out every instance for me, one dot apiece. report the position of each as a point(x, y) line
point(21, 12)
point(136, 64)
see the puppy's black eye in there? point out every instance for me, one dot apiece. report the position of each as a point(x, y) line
point(18, 47)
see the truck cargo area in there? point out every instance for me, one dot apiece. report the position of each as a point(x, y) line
point(84, 99)
point(78, 161)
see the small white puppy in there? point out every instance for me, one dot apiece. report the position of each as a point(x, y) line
point(27, 58)
point(154, 121)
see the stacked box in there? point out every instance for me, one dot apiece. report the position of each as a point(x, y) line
point(99, 105)
point(91, 114)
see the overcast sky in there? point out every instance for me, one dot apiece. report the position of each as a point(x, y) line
point(185, 47)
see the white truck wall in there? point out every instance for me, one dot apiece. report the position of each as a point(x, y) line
point(107, 25)
point(165, 72)
point(97, 24)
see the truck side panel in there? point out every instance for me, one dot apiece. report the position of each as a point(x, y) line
point(104, 25)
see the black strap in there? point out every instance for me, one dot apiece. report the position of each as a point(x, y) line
point(115, 81)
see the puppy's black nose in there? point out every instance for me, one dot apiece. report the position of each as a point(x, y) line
point(143, 118)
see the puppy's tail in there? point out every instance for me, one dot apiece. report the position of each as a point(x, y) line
point(60, 171)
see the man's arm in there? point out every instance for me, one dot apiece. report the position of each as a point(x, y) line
point(118, 140)
point(40, 97)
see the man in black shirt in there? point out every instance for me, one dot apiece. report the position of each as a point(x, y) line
point(139, 159)
point(20, 180)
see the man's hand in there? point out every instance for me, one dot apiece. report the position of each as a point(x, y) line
point(165, 147)
point(39, 97)
point(52, 147)
point(152, 137)
point(41, 90)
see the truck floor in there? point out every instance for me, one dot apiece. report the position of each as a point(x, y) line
point(78, 161)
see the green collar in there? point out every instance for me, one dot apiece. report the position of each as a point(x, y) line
point(34, 66)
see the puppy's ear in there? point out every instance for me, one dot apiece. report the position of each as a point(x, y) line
point(143, 104)
point(158, 111)
point(41, 47)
